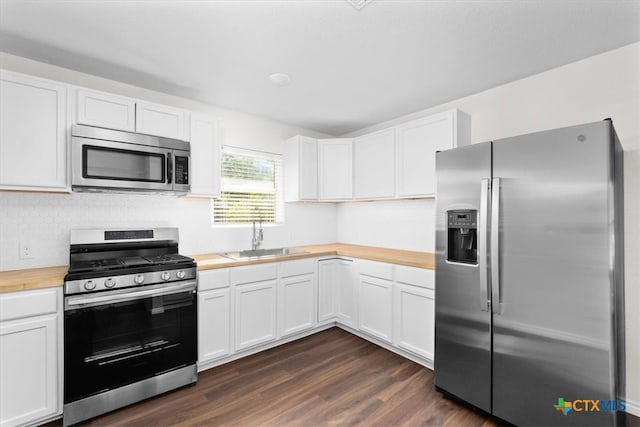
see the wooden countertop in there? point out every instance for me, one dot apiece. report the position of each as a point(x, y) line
point(393, 256)
point(36, 278)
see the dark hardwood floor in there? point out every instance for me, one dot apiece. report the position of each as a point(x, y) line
point(330, 378)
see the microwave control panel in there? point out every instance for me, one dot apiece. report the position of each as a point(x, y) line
point(182, 170)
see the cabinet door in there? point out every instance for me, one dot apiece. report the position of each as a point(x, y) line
point(29, 370)
point(328, 281)
point(335, 169)
point(300, 167)
point(296, 304)
point(373, 165)
point(33, 133)
point(308, 168)
point(205, 156)
point(160, 120)
point(375, 299)
point(416, 146)
point(255, 313)
point(414, 319)
point(105, 110)
point(214, 331)
point(347, 293)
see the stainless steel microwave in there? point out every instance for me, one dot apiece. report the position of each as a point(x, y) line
point(117, 161)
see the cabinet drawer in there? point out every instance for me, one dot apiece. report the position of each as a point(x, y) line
point(296, 268)
point(381, 270)
point(213, 279)
point(422, 277)
point(253, 273)
point(15, 305)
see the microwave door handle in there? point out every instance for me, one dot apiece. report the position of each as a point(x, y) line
point(169, 168)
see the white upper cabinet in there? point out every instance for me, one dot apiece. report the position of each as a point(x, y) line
point(111, 111)
point(416, 146)
point(161, 120)
point(373, 165)
point(205, 156)
point(105, 110)
point(300, 169)
point(33, 133)
point(335, 169)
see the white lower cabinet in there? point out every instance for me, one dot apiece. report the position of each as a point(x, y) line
point(347, 310)
point(255, 313)
point(255, 288)
point(297, 304)
point(214, 324)
point(296, 296)
point(376, 307)
point(214, 315)
point(414, 310)
point(328, 282)
point(30, 356)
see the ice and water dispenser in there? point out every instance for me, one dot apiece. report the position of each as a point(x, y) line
point(462, 243)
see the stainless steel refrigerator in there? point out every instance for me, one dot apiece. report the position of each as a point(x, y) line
point(529, 276)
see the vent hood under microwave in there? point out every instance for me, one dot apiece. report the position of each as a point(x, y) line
point(105, 160)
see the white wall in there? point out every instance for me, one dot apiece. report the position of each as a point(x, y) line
point(44, 220)
point(606, 85)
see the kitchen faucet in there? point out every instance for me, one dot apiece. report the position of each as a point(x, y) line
point(256, 240)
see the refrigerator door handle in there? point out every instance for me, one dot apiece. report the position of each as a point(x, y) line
point(482, 244)
point(496, 300)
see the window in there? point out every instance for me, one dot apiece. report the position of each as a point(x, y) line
point(250, 188)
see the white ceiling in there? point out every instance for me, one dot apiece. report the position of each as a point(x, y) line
point(349, 68)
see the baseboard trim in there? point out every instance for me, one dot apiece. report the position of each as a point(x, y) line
point(407, 355)
point(203, 366)
point(633, 408)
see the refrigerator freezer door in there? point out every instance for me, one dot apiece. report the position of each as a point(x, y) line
point(463, 323)
point(552, 330)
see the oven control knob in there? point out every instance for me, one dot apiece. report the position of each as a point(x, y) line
point(180, 274)
point(89, 285)
point(165, 276)
point(109, 283)
point(139, 279)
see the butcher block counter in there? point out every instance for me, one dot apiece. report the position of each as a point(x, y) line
point(35, 278)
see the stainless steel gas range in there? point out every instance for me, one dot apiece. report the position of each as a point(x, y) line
point(130, 319)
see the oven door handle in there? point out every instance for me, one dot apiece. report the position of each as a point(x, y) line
point(91, 301)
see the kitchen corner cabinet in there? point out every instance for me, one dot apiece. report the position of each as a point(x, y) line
point(214, 315)
point(416, 145)
point(375, 299)
point(300, 169)
point(414, 311)
point(296, 297)
point(205, 156)
point(255, 288)
point(105, 110)
point(337, 291)
point(335, 169)
point(328, 290)
point(347, 307)
point(373, 165)
point(33, 133)
point(30, 356)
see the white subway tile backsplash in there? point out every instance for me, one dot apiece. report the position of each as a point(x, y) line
point(44, 220)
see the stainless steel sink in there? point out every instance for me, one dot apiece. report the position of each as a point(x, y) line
point(262, 253)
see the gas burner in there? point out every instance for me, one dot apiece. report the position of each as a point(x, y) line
point(102, 260)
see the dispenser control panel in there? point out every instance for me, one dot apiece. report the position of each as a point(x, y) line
point(463, 219)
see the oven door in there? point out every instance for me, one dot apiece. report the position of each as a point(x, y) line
point(120, 165)
point(124, 336)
